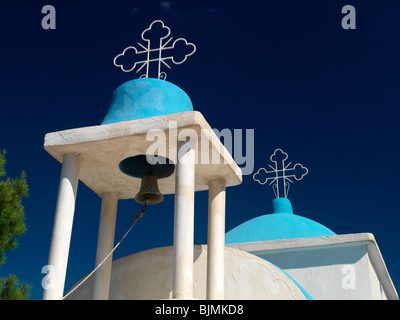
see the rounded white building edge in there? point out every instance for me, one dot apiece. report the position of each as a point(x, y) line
point(148, 275)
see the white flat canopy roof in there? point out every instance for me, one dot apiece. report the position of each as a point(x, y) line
point(103, 147)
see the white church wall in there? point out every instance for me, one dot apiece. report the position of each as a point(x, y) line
point(329, 273)
point(377, 290)
point(330, 267)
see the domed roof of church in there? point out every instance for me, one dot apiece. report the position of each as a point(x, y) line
point(147, 97)
point(281, 224)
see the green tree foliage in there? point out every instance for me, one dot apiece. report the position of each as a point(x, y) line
point(11, 289)
point(12, 225)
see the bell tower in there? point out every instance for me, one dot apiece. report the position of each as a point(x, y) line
point(151, 143)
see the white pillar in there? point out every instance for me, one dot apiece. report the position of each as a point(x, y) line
point(216, 240)
point(60, 241)
point(184, 222)
point(105, 244)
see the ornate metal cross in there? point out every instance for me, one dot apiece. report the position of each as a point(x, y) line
point(157, 30)
point(281, 174)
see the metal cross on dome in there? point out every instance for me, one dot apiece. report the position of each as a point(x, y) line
point(281, 174)
point(132, 58)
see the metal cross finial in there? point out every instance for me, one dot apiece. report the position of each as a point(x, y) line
point(156, 30)
point(281, 174)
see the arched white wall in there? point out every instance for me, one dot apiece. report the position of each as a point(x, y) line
point(148, 275)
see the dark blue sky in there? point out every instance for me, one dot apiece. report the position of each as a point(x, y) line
point(328, 97)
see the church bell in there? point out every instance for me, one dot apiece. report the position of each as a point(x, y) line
point(139, 167)
point(149, 193)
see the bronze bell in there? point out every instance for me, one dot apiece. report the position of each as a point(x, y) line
point(149, 193)
point(139, 167)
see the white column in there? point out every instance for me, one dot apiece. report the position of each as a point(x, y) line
point(105, 244)
point(184, 222)
point(216, 240)
point(60, 241)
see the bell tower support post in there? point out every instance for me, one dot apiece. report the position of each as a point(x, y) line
point(61, 237)
point(184, 221)
point(216, 240)
point(105, 244)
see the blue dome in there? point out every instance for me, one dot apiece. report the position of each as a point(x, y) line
point(281, 224)
point(143, 98)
